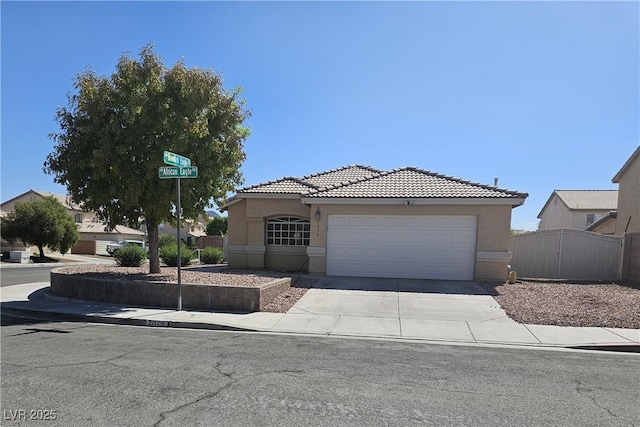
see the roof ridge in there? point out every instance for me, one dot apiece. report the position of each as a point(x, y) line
point(314, 175)
point(352, 181)
point(463, 181)
point(286, 178)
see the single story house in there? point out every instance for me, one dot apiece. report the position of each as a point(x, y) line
point(360, 221)
point(576, 209)
point(628, 180)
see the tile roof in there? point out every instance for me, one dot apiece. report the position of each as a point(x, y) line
point(413, 183)
point(339, 176)
point(282, 186)
point(366, 182)
point(589, 199)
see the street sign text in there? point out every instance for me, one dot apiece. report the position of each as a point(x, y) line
point(176, 159)
point(166, 172)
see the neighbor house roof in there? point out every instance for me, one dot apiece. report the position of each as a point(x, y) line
point(363, 182)
point(627, 164)
point(610, 216)
point(99, 228)
point(66, 202)
point(593, 200)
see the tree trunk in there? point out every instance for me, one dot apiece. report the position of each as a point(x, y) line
point(41, 249)
point(154, 260)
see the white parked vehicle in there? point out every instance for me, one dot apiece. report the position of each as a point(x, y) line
point(113, 247)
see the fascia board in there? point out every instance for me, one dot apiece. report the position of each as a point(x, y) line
point(415, 202)
point(267, 196)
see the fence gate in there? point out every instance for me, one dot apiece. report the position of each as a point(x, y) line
point(566, 254)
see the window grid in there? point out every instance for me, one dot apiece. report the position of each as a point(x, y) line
point(288, 231)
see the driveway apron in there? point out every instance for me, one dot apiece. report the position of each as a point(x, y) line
point(440, 310)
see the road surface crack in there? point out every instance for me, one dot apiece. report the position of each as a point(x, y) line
point(580, 388)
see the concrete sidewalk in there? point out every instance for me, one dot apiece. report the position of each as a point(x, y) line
point(331, 312)
point(65, 260)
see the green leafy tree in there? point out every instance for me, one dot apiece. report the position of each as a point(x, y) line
point(41, 223)
point(217, 226)
point(115, 129)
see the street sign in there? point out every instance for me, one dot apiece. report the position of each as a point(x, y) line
point(167, 172)
point(176, 159)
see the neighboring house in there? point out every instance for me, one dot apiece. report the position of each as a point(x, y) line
point(359, 221)
point(605, 225)
point(576, 209)
point(628, 180)
point(93, 235)
point(190, 231)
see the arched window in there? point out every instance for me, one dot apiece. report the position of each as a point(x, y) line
point(288, 231)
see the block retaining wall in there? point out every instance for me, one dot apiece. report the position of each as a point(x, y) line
point(165, 294)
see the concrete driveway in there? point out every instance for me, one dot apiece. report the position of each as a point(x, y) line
point(400, 298)
point(431, 309)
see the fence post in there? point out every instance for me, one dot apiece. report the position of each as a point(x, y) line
point(560, 252)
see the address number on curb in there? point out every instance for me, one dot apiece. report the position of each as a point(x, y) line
point(163, 323)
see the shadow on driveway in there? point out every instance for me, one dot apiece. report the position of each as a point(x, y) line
point(400, 285)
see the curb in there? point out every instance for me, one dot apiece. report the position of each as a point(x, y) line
point(24, 313)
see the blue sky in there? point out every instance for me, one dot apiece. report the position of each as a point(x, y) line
point(542, 95)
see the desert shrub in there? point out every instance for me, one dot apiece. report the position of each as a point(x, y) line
point(169, 255)
point(211, 256)
point(130, 256)
point(166, 239)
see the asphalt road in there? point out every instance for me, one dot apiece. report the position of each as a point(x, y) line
point(96, 375)
point(18, 275)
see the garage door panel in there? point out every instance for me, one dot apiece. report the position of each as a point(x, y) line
point(411, 246)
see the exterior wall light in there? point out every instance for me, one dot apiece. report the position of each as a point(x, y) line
point(317, 214)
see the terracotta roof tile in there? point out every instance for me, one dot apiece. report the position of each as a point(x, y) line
point(282, 186)
point(414, 183)
point(366, 182)
point(338, 176)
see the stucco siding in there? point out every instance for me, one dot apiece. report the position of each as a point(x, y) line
point(237, 223)
point(247, 230)
point(558, 215)
point(628, 219)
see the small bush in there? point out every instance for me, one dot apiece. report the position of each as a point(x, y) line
point(130, 256)
point(211, 256)
point(169, 255)
point(166, 239)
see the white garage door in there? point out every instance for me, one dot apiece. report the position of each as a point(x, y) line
point(412, 246)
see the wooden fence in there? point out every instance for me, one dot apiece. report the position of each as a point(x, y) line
point(567, 254)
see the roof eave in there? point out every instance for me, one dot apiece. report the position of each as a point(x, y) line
point(409, 201)
point(623, 169)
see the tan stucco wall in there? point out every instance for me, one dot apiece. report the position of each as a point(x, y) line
point(629, 200)
point(558, 215)
point(247, 232)
point(246, 245)
point(607, 227)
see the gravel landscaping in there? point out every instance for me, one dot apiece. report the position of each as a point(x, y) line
point(534, 302)
point(569, 304)
point(206, 275)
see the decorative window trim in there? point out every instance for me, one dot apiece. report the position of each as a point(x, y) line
point(287, 231)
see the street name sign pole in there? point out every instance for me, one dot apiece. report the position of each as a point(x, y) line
point(180, 168)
